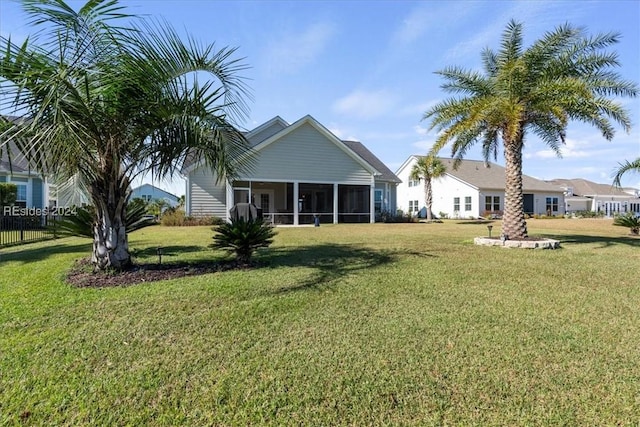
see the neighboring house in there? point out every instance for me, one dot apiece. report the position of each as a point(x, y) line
point(149, 193)
point(34, 191)
point(474, 189)
point(301, 171)
point(37, 189)
point(584, 195)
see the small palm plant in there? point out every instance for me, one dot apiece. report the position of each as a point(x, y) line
point(629, 220)
point(242, 238)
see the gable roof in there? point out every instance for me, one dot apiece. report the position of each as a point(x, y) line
point(354, 149)
point(18, 163)
point(155, 189)
point(369, 157)
point(583, 187)
point(265, 130)
point(486, 175)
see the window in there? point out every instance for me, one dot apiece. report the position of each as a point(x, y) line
point(414, 182)
point(467, 203)
point(21, 196)
point(492, 203)
point(378, 201)
point(552, 204)
point(413, 206)
point(456, 204)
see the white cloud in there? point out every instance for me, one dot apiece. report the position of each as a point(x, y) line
point(423, 144)
point(414, 25)
point(572, 149)
point(294, 51)
point(343, 134)
point(417, 110)
point(366, 105)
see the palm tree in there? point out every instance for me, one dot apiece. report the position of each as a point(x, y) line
point(107, 97)
point(624, 168)
point(428, 168)
point(561, 77)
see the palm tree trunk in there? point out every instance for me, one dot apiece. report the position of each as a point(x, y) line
point(514, 225)
point(428, 196)
point(110, 242)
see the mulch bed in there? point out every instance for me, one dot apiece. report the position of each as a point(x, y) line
point(82, 275)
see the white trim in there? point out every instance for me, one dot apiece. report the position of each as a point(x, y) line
point(372, 203)
point(296, 196)
point(266, 125)
point(302, 181)
point(335, 202)
point(229, 196)
point(187, 192)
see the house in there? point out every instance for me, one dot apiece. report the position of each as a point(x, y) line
point(300, 170)
point(149, 193)
point(473, 190)
point(36, 188)
point(34, 191)
point(584, 195)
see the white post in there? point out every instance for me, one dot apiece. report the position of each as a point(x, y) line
point(296, 196)
point(372, 204)
point(229, 202)
point(335, 203)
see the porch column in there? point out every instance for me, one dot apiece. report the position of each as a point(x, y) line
point(335, 203)
point(296, 196)
point(229, 202)
point(372, 204)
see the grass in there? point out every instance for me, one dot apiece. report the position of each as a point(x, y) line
point(383, 324)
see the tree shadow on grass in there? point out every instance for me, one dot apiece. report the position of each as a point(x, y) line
point(603, 242)
point(176, 250)
point(329, 262)
point(476, 222)
point(55, 247)
point(40, 253)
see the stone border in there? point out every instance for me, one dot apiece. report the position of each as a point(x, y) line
point(523, 244)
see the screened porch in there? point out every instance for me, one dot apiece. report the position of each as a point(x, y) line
point(298, 203)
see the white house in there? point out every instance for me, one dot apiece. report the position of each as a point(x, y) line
point(584, 195)
point(474, 189)
point(301, 171)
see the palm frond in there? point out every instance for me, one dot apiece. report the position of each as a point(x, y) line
point(626, 167)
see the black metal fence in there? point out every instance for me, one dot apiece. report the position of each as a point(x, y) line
point(25, 228)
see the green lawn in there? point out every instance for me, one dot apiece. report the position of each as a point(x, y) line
point(383, 324)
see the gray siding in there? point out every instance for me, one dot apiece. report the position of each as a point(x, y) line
point(207, 198)
point(307, 155)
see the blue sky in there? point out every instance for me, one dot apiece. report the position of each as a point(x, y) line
point(365, 69)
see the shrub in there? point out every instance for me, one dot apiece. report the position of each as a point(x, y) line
point(8, 194)
point(629, 220)
point(242, 238)
point(173, 217)
point(204, 220)
point(588, 214)
point(399, 216)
